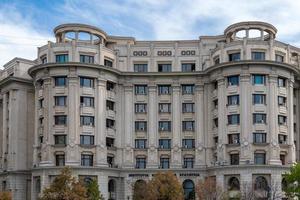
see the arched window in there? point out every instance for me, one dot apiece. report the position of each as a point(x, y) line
point(189, 190)
point(261, 183)
point(234, 183)
point(112, 189)
point(139, 190)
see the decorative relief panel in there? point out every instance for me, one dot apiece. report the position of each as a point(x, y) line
point(188, 53)
point(140, 53)
point(164, 53)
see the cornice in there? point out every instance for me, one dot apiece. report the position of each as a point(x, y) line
point(205, 72)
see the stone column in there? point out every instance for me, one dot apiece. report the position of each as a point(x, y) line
point(152, 128)
point(176, 127)
point(129, 130)
point(245, 117)
point(199, 125)
point(36, 126)
point(47, 124)
point(222, 120)
point(100, 123)
point(290, 121)
point(273, 121)
point(5, 128)
point(103, 184)
point(73, 120)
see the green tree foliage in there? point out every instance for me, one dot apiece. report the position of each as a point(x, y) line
point(291, 182)
point(65, 187)
point(93, 192)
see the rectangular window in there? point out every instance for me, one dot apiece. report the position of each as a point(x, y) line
point(110, 142)
point(62, 58)
point(188, 89)
point(188, 67)
point(60, 160)
point(282, 159)
point(259, 158)
point(233, 119)
point(234, 159)
point(259, 99)
point(140, 89)
point(60, 100)
point(281, 101)
point(259, 138)
point(164, 89)
point(233, 80)
point(110, 105)
point(140, 108)
point(87, 121)
point(60, 139)
point(140, 126)
point(282, 139)
point(188, 143)
point(108, 63)
point(216, 122)
point(140, 143)
point(60, 119)
point(164, 126)
point(259, 118)
point(281, 120)
point(256, 55)
point(188, 163)
point(188, 126)
point(87, 101)
point(164, 143)
point(140, 163)
point(110, 86)
point(164, 107)
point(234, 139)
point(279, 58)
point(233, 100)
point(188, 107)
point(86, 160)
point(60, 81)
point(234, 56)
point(86, 82)
point(86, 59)
point(215, 103)
point(87, 140)
point(110, 123)
point(258, 79)
point(41, 103)
point(164, 163)
point(164, 67)
point(140, 67)
point(281, 82)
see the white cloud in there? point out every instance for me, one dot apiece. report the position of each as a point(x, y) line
point(147, 19)
point(18, 38)
point(178, 19)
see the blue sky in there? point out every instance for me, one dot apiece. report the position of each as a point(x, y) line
point(25, 24)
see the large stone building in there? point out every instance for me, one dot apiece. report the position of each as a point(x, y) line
point(119, 110)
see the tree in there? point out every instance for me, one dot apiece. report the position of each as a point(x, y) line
point(164, 186)
point(93, 192)
point(292, 182)
point(208, 190)
point(65, 187)
point(140, 190)
point(5, 196)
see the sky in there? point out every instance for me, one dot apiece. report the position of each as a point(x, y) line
point(28, 24)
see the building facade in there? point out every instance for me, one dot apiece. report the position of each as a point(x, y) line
point(120, 110)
